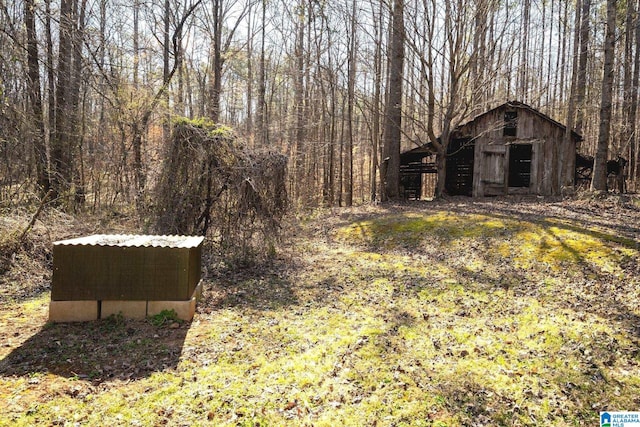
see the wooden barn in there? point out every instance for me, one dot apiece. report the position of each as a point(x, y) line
point(511, 149)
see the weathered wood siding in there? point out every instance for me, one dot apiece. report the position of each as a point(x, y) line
point(491, 165)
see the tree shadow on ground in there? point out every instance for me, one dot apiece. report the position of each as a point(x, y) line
point(99, 351)
point(477, 404)
point(589, 288)
point(614, 219)
point(597, 291)
point(258, 287)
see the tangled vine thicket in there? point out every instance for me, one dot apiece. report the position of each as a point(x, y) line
point(209, 185)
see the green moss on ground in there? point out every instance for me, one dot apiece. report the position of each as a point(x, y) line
point(421, 318)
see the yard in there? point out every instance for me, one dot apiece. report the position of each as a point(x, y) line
point(456, 313)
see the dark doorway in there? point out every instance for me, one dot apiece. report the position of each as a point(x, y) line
point(459, 181)
point(520, 165)
point(411, 184)
point(416, 168)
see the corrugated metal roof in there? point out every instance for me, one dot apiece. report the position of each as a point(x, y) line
point(134, 240)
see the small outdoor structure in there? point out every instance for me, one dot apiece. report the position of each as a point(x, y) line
point(511, 149)
point(137, 276)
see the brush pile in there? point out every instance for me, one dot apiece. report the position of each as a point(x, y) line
point(209, 185)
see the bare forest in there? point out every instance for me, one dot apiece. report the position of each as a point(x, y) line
point(90, 91)
point(273, 128)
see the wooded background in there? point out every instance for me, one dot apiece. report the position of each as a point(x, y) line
point(89, 89)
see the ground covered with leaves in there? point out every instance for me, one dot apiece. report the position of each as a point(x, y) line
point(455, 313)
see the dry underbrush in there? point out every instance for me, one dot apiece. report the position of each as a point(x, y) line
point(209, 185)
point(26, 244)
point(25, 263)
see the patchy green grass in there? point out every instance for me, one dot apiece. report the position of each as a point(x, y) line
point(424, 318)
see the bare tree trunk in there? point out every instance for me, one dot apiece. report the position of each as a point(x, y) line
point(523, 75)
point(261, 111)
point(299, 174)
point(375, 113)
point(550, 102)
point(101, 137)
point(633, 146)
point(249, 122)
point(599, 179)
point(431, 113)
point(217, 61)
point(332, 148)
point(309, 149)
point(623, 141)
point(76, 130)
point(35, 99)
point(628, 70)
point(563, 53)
point(138, 129)
point(351, 83)
point(51, 79)
point(390, 167)
point(166, 46)
point(558, 71)
point(478, 90)
point(341, 158)
point(325, 135)
point(458, 66)
point(565, 162)
point(101, 61)
point(179, 95)
point(61, 141)
point(581, 83)
point(329, 114)
point(136, 41)
point(540, 85)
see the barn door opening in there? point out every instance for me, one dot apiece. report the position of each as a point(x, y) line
point(520, 156)
point(460, 156)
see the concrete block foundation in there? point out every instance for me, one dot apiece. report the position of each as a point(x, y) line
point(128, 309)
point(83, 311)
point(73, 311)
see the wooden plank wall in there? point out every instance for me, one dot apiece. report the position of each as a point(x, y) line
point(492, 155)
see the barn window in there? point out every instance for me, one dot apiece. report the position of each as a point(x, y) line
point(510, 123)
